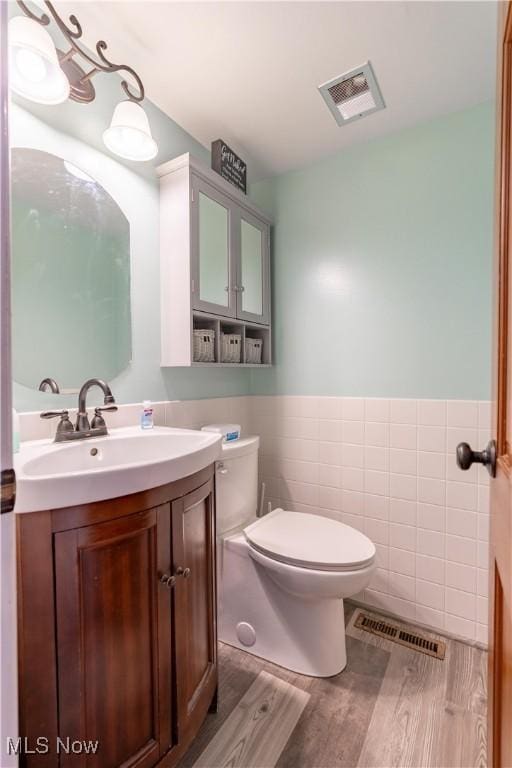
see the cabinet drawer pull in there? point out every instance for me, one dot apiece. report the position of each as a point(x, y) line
point(185, 572)
point(168, 581)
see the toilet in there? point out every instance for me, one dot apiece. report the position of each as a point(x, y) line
point(282, 578)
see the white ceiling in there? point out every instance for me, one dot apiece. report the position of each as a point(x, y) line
point(248, 71)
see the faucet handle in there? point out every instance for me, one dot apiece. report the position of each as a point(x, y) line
point(98, 420)
point(64, 424)
point(53, 414)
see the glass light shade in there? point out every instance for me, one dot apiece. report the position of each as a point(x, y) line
point(34, 69)
point(129, 135)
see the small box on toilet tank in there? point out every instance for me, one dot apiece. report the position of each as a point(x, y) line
point(228, 431)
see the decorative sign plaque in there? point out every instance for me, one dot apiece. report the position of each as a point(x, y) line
point(226, 163)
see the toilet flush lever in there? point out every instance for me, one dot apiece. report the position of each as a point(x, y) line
point(221, 468)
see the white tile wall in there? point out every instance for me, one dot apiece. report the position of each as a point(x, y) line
point(387, 467)
point(172, 413)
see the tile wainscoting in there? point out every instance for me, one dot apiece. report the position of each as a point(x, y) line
point(191, 414)
point(386, 467)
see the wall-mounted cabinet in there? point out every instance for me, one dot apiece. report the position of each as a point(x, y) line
point(215, 270)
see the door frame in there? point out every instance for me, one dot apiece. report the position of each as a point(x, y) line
point(501, 494)
point(8, 638)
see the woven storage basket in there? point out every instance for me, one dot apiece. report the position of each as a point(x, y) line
point(253, 350)
point(231, 344)
point(204, 345)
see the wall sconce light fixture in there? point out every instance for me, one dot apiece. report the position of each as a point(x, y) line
point(42, 73)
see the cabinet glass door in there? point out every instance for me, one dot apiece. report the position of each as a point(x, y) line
point(253, 279)
point(211, 252)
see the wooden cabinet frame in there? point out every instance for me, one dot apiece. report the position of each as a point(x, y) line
point(50, 632)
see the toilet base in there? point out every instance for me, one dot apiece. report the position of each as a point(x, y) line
point(257, 616)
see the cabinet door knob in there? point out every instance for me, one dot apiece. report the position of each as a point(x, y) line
point(167, 581)
point(185, 572)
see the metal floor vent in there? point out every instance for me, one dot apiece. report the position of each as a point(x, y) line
point(417, 642)
point(353, 95)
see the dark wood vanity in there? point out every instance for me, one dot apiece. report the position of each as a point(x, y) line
point(117, 629)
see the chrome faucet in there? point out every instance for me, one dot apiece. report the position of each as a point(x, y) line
point(83, 429)
point(49, 385)
point(82, 420)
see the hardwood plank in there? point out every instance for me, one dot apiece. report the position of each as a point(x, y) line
point(407, 712)
point(463, 739)
point(333, 727)
point(467, 677)
point(414, 722)
point(391, 706)
point(258, 728)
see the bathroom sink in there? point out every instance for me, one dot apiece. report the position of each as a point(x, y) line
point(52, 475)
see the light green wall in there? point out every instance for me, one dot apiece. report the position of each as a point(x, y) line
point(382, 266)
point(137, 195)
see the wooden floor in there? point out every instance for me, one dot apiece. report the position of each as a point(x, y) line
point(391, 706)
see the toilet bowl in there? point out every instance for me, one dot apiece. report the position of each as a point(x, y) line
point(283, 577)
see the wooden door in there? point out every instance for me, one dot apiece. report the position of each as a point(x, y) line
point(500, 626)
point(113, 639)
point(193, 552)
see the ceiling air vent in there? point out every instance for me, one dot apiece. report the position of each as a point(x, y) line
point(353, 95)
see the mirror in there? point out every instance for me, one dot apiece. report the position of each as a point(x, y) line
point(252, 268)
point(213, 251)
point(71, 313)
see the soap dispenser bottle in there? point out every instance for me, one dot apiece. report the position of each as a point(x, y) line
point(146, 416)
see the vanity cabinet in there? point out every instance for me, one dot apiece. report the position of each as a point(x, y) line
point(215, 262)
point(117, 627)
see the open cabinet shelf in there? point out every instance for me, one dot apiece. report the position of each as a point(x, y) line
point(242, 331)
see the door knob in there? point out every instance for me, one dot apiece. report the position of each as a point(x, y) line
point(466, 457)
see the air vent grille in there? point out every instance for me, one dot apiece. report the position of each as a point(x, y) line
point(353, 95)
point(413, 640)
point(347, 89)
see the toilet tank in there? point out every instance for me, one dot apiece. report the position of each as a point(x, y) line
point(236, 484)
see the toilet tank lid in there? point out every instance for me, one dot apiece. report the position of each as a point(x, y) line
point(241, 447)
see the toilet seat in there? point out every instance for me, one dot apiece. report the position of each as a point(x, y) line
point(310, 541)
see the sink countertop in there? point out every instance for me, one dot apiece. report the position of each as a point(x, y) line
point(53, 475)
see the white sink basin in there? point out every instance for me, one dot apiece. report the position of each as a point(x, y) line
point(52, 475)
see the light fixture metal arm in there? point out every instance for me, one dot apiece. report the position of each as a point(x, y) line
point(44, 20)
point(101, 64)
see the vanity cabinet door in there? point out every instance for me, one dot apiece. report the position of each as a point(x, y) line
point(193, 552)
point(212, 242)
point(113, 622)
